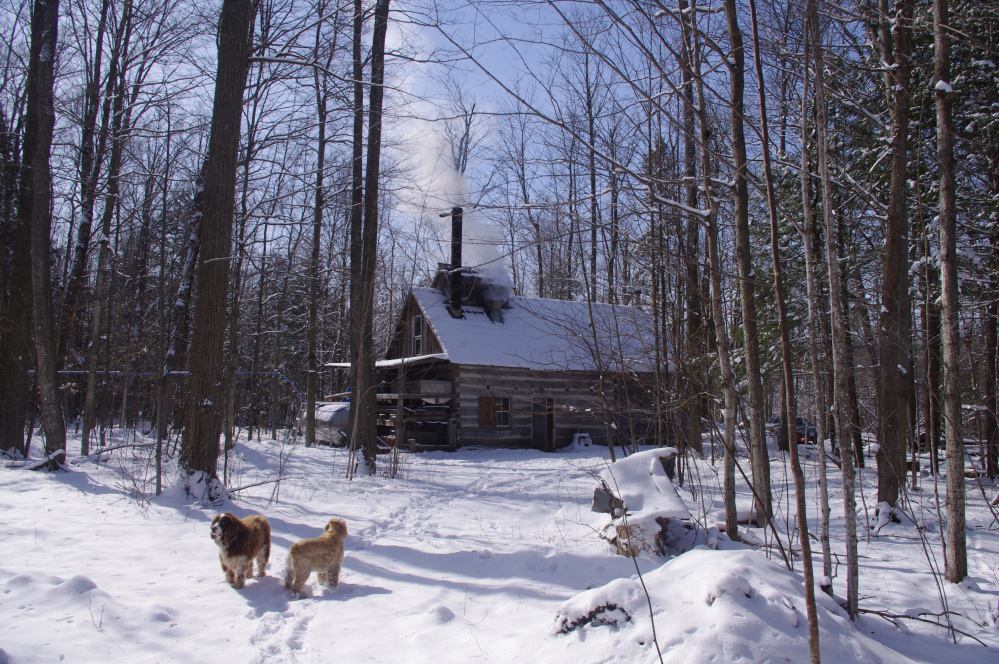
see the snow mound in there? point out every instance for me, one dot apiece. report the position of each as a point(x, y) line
point(728, 606)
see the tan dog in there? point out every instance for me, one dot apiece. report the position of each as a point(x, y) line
point(240, 541)
point(323, 554)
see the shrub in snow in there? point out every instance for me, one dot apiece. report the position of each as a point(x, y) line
point(587, 608)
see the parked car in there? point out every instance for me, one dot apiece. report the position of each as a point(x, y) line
point(806, 431)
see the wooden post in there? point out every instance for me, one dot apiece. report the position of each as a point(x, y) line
point(400, 417)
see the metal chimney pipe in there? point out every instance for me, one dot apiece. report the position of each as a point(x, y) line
point(456, 213)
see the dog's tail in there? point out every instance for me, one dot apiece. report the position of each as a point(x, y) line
point(338, 527)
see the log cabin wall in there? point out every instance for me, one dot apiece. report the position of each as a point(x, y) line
point(576, 408)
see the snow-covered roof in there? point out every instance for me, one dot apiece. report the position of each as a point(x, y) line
point(543, 334)
point(384, 364)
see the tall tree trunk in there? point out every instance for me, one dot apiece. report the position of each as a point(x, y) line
point(118, 132)
point(842, 405)
point(747, 281)
point(138, 307)
point(366, 383)
point(693, 344)
point(41, 107)
point(356, 226)
point(895, 319)
point(955, 539)
point(16, 357)
point(815, 335)
point(591, 153)
point(255, 420)
point(203, 415)
point(317, 225)
point(161, 378)
point(991, 357)
point(790, 403)
point(721, 334)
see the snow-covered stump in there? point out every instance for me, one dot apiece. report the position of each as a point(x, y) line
point(647, 517)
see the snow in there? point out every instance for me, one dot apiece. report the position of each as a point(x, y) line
point(698, 595)
point(545, 334)
point(640, 481)
point(944, 86)
point(472, 556)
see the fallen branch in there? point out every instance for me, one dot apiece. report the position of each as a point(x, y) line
point(119, 447)
point(250, 486)
point(52, 462)
point(892, 617)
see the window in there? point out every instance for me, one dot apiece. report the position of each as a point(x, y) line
point(494, 412)
point(503, 412)
point(418, 334)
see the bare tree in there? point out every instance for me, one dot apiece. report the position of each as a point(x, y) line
point(747, 279)
point(955, 539)
point(894, 328)
point(842, 405)
point(790, 404)
point(364, 398)
point(16, 357)
point(35, 201)
point(204, 414)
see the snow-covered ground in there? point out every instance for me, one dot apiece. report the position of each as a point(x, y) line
point(479, 555)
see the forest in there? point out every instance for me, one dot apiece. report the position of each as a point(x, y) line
point(204, 204)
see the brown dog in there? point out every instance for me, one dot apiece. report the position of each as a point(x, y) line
point(323, 554)
point(240, 541)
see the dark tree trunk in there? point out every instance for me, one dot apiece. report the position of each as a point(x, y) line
point(119, 129)
point(356, 226)
point(204, 413)
point(894, 329)
point(312, 378)
point(747, 283)
point(991, 356)
point(41, 108)
point(366, 382)
point(15, 334)
point(693, 346)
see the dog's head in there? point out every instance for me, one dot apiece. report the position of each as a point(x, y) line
point(221, 525)
point(335, 528)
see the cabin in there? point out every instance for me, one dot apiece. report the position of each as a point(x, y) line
point(471, 364)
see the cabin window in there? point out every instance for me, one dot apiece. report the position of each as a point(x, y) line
point(418, 334)
point(503, 412)
point(494, 412)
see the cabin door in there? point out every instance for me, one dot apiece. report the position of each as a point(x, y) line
point(543, 424)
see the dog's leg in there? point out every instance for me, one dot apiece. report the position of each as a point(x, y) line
point(289, 576)
point(262, 557)
point(321, 578)
point(300, 578)
point(229, 578)
point(335, 575)
point(262, 561)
